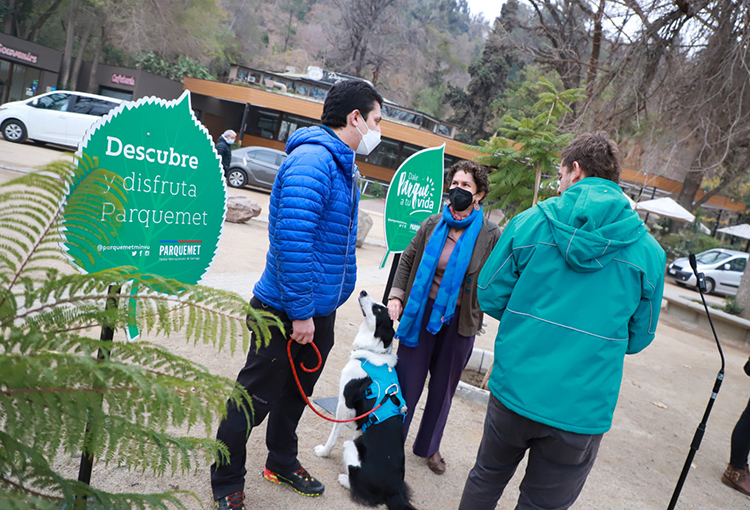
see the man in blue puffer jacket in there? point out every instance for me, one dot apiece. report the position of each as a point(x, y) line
point(310, 271)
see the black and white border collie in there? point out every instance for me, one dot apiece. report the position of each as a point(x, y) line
point(373, 461)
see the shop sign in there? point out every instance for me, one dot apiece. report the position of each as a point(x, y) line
point(168, 216)
point(20, 55)
point(415, 193)
point(122, 79)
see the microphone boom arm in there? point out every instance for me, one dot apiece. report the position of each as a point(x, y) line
point(698, 437)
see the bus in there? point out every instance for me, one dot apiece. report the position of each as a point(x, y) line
point(266, 108)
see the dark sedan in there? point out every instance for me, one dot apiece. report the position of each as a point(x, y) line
point(254, 166)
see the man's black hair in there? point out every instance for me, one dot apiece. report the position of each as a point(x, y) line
point(347, 96)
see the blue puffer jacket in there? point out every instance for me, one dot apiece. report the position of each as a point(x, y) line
point(311, 264)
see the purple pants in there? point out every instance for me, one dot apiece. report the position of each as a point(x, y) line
point(444, 356)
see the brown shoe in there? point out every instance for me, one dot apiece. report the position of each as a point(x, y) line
point(738, 479)
point(436, 463)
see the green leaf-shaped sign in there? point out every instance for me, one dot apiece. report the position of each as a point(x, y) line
point(414, 195)
point(167, 217)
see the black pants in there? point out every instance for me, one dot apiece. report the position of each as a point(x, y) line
point(741, 440)
point(269, 381)
point(559, 462)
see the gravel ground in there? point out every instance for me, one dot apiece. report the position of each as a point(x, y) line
point(663, 396)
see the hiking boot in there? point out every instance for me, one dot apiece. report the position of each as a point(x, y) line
point(738, 479)
point(235, 501)
point(301, 481)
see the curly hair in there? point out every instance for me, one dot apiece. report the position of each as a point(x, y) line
point(477, 172)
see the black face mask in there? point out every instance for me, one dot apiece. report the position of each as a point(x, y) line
point(460, 199)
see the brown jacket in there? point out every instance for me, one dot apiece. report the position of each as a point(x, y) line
point(470, 320)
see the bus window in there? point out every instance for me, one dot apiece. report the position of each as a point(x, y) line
point(407, 151)
point(429, 125)
point(262, 123)
point(385, 154)
point(318, 93)
point(303, 89)
point(291, 123)
point(448, 162)
point(444, 130)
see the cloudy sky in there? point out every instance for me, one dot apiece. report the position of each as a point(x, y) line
point(489, 8)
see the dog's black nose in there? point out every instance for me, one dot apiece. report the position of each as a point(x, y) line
point(363, 293)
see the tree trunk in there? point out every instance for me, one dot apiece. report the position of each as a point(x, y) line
point(690, 187)
point(95, 64)
point(41, 20)
point(68, 54)
point(79, 58)
point(537, 183)
point(9, 17)
point(743, 295)
point(596, 46)
point(288, 31)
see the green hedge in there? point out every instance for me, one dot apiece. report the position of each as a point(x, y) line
point(684, 243)
point(376, 190)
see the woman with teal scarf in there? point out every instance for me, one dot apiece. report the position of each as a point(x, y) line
point(436, 279)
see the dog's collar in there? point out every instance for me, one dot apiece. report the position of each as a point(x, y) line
point(376, 358)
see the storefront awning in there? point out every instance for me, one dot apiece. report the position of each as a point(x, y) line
point(742, 231)
point(666, 207)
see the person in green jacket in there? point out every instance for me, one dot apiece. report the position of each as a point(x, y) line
point(576, 284)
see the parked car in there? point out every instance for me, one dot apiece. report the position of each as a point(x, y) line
point(60, 117)
point(723, 270)
point(256, 166)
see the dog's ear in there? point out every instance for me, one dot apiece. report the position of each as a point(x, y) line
point(384, 327)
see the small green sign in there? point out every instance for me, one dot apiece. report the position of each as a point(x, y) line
point(172, 213)
point(414, 194)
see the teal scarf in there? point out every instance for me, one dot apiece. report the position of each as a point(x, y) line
point(450, 286)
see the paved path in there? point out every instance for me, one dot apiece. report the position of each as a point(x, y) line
point(664, 392)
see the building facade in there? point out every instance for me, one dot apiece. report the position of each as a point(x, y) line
point(28, 69)
point(128, 84)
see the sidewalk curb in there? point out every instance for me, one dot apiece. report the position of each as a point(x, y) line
point(23, 170)
point(472, 393)
point(480, 361)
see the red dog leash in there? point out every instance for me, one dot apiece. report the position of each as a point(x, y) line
point(317, 367)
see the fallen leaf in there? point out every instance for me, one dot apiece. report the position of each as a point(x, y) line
point(636, 384)
point(660, 405)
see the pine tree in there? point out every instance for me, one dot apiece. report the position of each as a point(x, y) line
point(500, 62)
point(63, 391)
point(527, 149)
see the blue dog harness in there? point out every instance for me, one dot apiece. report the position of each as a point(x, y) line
point(384, 383)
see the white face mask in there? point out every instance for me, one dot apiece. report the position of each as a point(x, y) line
point(369, 141)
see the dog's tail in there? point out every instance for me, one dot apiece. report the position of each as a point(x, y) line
point(399, 501)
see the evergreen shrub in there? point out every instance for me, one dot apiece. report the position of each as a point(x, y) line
point(686, 242)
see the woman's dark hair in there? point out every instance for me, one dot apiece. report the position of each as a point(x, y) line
point(477, 172)
point(347, 96)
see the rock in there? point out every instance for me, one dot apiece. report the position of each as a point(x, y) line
point(364, 224)
point(241, 209)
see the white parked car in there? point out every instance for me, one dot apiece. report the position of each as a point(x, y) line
point(722, 268)
point(60, 117)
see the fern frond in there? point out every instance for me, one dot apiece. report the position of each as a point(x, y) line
point(62, 392)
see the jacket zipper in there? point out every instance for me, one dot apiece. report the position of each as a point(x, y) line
point(349, 234)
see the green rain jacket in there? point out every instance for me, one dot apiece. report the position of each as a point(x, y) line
point(576, 284)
